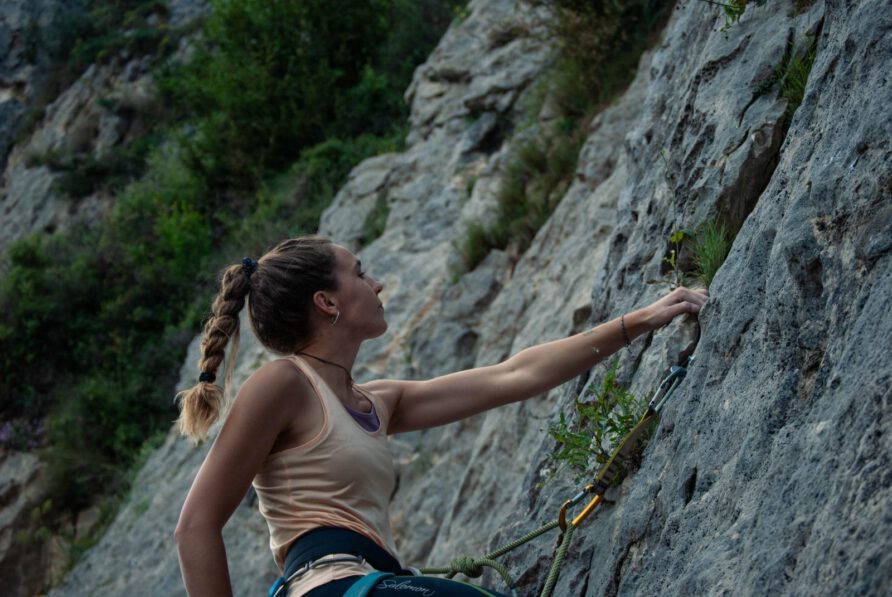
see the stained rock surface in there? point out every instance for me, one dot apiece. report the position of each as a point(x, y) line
point(769, 472)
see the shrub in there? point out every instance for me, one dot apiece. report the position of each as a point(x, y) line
point(84, 174)
point(599, 45)
point(90, 322)
point(376, 221)
point(271, 79)
point(106, 27)
point(291, 203)
point(606, 414)
point(475, 245)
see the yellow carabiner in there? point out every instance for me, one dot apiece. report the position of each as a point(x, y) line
point(588, 510)
point(562, 515)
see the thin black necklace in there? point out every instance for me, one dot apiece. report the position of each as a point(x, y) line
point(350, 383)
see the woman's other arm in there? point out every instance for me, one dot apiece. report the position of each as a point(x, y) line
point(533, 371)
point(265, 406)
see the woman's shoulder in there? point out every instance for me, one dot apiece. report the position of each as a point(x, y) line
point(277, 381)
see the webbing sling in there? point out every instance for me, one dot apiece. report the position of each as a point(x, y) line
point(364, 586)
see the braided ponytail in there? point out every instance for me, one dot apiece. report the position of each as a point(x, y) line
point(281, 291)
point(202, 405)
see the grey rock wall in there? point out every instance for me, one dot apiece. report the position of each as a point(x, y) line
point(24, 563)
point(105, 108)
point(25, 59)
point(769, 472)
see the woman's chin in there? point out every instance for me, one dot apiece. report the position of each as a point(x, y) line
point(380, 330)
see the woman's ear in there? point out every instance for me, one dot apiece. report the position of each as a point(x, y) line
point(324, 304)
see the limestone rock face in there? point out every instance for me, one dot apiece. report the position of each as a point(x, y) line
point(96, 114)
point(769, 471)
point(22, 559)
point(24, 60)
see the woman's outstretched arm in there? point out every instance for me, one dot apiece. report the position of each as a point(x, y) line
point(533, 371)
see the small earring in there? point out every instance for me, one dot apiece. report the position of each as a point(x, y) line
point(335, 320)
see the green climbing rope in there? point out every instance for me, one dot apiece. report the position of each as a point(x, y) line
point(558, 561)
point(473, 567)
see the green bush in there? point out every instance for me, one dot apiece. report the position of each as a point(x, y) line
point(90, 324)
point(84, 174)
point(105, 27)
point(606, 414)
point(599, 44)
point(291, 203)
point(47, 299)
point(534, 182)
point(273, 78)
point(475, 245)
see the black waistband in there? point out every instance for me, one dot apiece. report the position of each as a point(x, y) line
point(327, 540)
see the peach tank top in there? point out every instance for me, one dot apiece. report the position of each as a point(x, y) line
point(343, 477)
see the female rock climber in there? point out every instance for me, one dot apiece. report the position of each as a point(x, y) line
point(314, 442)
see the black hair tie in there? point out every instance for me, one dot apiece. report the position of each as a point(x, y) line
point(249, 265)
point(207, 376)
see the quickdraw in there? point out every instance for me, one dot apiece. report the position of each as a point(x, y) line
point(611, 469)
point(607, 475)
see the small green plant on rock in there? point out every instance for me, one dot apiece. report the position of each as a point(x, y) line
point(672, 260)
point(793, 75)
point(607, 413)
point(790, 77)
point(711, 245)
point(704, 251)
point(474, 246)
point(733, 9)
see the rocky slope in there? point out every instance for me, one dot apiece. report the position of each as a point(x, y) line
point(770, 469)
point(105, 108)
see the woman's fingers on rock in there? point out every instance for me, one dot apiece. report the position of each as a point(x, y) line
point(699, 296)
point(679, 308)
point(695, 295)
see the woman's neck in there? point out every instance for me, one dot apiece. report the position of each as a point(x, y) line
point(335, 366)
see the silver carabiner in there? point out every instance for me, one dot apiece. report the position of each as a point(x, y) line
point(667, 386)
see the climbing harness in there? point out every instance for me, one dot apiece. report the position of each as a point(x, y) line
point(281, 583)
point(329, 545)
point(607, 475)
